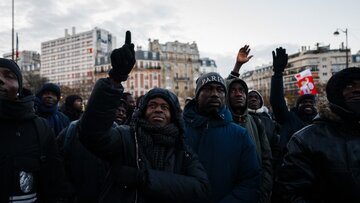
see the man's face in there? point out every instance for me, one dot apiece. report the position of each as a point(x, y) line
point(211, 98)
point(131, 101)
point(49, 98)
point(237, 96)
point(158, 112)
point(351, 92)
point(9, 84)
point(78, 104)
point(121, 115)
point(254, 100)
point(307, 106)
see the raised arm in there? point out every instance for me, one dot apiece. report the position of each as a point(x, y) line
point(277, 99)
point(95, 127)
point(242, 58)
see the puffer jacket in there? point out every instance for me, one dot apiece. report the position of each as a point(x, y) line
point(184, 179)
point(323, 161)
point(227, 152)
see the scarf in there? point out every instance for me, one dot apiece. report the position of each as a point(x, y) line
point(21, 109)
point(156, 141)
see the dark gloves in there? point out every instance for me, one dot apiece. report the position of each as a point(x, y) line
point(130, 176)
point(122, 60)
point(280, 61)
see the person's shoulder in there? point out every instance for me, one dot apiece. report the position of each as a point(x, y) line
point(236, 129)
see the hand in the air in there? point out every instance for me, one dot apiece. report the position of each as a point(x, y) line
point(280, 60)
point(122, 60)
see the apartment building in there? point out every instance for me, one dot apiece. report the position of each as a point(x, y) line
point(207, 65)
point(322, 61)
point(70, 60)
point(180, 66)
point(146, 74)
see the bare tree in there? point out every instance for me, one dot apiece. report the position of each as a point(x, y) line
point(34, 81)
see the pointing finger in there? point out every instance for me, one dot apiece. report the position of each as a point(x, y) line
point(128, 37)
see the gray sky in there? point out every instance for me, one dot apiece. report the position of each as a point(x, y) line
point(219, 28)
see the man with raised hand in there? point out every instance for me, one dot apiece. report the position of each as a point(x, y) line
point(149, 160)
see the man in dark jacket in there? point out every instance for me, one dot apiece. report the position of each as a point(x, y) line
point(299, 116)
point(30, 166)
point(73, 107)
point(257, 109)
point(237, 101)
point(46, 106)
point(323, 159)
point(289, 120)
point(224, 148)
point(149, 161)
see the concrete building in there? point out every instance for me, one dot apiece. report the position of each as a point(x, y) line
point(322, 61)
point(181, 66)
point(70, 60)
point(207, 65)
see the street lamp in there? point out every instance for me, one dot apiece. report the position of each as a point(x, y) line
point(346, 45)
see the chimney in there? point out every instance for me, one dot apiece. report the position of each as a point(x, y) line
point(66, 32)
point(73, 31)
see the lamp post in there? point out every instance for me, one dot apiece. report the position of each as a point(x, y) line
point(12, 31)
point(346, 45)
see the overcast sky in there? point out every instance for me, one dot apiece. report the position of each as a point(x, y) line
point(219, 28)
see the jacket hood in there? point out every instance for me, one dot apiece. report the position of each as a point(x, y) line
point(260, 96)
point(170, 98)
point(337, 84)
point(332, 112)
point(194, 119)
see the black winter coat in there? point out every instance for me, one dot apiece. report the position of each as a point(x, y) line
point(323, 162)
point(184, 178)
point(23, 149)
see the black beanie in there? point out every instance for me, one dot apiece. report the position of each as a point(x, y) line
point(208, 78)
point(50, 87)
point(69, 101)
point(337, 84)
point(303, 97)
point(13, 67)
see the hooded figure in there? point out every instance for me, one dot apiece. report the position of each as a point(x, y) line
point(323, 159)
point(237, 100)
point(72, 107)
point(30, 169)
point(46, 106)
point(149, 160)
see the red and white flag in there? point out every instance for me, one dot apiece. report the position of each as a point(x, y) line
point(305, 82)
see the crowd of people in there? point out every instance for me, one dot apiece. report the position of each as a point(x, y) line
point(224, 145)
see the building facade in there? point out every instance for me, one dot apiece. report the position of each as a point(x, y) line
point(146, 74)
point(180, 66)
point(207, 65)
point(322, 61)
point(70, 60)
